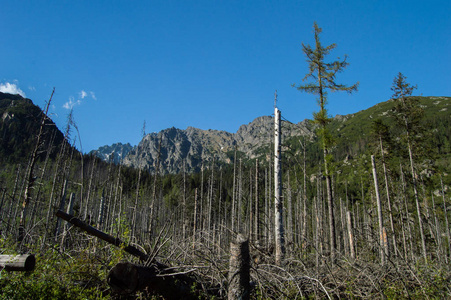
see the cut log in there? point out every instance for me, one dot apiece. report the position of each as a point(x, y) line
point(127, 278)
point(24, 262)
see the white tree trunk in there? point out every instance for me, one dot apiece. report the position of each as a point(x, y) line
point(278, 216)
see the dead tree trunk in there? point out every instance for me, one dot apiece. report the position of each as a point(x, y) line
point(278, 204)
point(30, 178)
point(102, 235)
point(445, 211)
point(350, 235)
point(239, 269)
point(257, 205)
point(383, 246)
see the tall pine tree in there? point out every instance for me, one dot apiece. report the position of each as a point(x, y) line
point(323, 79)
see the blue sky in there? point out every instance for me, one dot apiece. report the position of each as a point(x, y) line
point(211, 64)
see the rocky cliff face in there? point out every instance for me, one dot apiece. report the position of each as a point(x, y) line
point(115, 152)
point(171, 148)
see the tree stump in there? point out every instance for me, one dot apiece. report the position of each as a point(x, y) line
point(239, 269)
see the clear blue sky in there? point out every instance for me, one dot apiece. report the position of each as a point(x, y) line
point(211, 64)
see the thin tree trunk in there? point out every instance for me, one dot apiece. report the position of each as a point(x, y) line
point(257, 206)
point(409, 229)
point(30, 172)
point(437, 232)
point(445, 211)
point(289, 214)
point(417, 201)
point(350, 235)
point(233, 214)
point(387, 190)
point(382, 245)
point(278, 211)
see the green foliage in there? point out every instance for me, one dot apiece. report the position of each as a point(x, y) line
point(57, 276)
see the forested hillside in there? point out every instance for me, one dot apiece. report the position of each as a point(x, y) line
point(391, 208)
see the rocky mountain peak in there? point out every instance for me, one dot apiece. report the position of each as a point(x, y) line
point(172, 147)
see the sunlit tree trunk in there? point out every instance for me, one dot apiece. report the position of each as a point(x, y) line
point(278, 204)
point(383, 247)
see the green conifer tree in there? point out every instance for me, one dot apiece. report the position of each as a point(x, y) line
point(323, 75)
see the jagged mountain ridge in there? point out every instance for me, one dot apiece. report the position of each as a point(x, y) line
point(194, 146)
point(114, 153)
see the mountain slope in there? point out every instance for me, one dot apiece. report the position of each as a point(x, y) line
point(195, 146)
point(19, 126)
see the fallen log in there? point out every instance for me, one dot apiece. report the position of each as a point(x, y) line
point(102, 235)
point(127, 278)
point(24, 262)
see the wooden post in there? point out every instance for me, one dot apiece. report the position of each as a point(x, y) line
point(24, 262)
point(239, 267)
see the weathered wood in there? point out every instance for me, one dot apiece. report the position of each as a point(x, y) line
point(24, 262)
point(239, 269)
point(126, 278)
point(278, 203)
point(102, 235)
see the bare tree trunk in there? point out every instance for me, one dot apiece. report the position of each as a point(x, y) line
point(304, 197)
point(240, 198)
point(184, 219)
point(153, 204)
point(69, 211)
point(350, 235)
point(257, 206)
point(195, 219)
point(330, 206)
point(233, 214)
point(343, 227)
point(101, 217)
point(135, 207)
point(440, 254)
point(13, 199)
point(201, 209)
point(30, 172)
point(387, 190)
point(417, 201)
point(315, 209)
point(383, 246)
point(210, 198)
point(445, 211)
point(85, 214)
point(267, 211)
point(278, 210)
point(409, 230)
point(289, 215)
point(251, 209)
